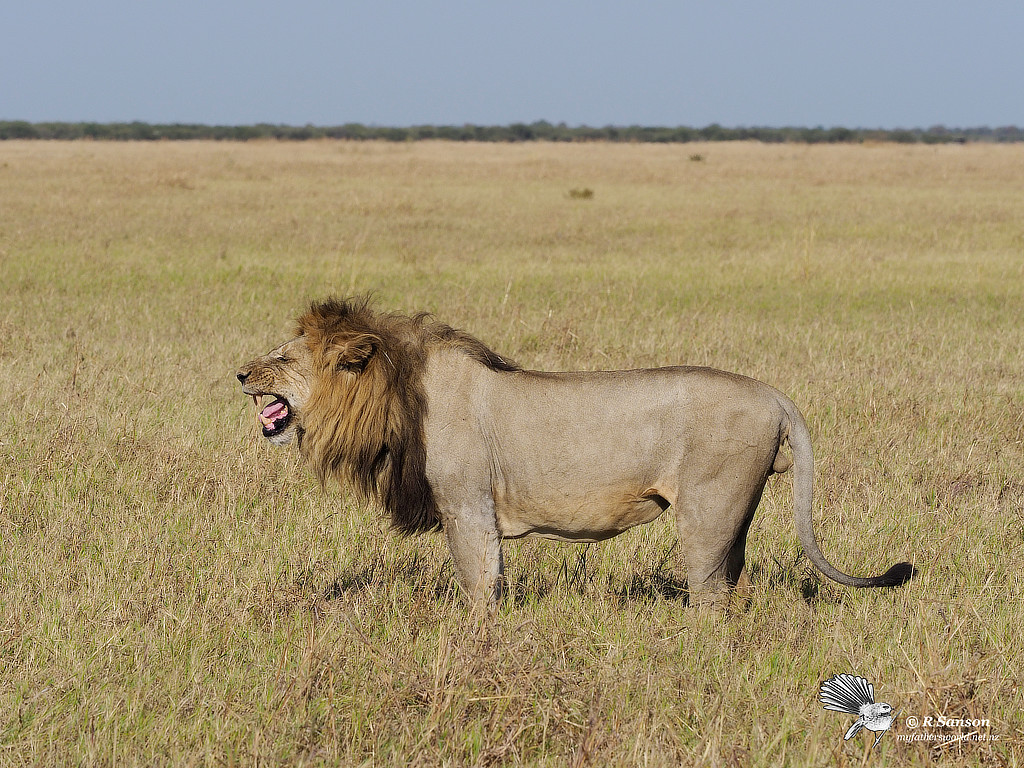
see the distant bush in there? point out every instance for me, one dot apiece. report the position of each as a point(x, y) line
point(18, 129)
point(516, 132)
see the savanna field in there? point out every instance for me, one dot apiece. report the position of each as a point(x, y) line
point(175, 591)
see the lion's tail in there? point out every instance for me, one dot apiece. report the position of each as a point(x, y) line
point(803, 491)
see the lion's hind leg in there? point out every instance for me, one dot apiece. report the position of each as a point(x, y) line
point(713, 541)
point(716, 575)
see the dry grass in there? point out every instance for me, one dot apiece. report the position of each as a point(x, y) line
point(174, 592)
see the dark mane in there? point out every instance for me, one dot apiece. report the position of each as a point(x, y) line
point(471, 346)
point(364, 420)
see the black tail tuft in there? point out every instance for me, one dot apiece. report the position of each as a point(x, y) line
point(898, 575)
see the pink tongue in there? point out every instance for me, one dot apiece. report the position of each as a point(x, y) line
point(274, 411)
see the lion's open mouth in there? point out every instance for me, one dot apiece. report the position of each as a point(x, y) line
point(274, 417)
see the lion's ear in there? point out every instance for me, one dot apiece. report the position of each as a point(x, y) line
point(350, 353)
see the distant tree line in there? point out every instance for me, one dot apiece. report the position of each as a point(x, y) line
point(538, 131)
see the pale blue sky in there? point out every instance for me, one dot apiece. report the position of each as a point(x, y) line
point(860, 63)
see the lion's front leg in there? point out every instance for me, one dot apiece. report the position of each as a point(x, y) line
point(475, 544)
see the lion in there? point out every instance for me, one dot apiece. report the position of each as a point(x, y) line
point(445, 433)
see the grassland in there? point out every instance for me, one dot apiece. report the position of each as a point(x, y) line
point(175, 592)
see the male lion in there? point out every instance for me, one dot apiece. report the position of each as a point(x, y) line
point(445, 432)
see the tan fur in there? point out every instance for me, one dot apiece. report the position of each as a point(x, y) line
point(445, 432)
